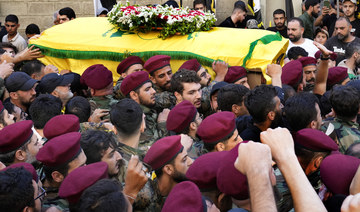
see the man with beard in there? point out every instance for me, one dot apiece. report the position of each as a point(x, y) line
point(138, 87)
point(312, 8)
point(194, 65)
point(237, 75)
point(5, 117)
point(295, 32)
point(18, 143)
point(265, 108)
point(169, 159)
point(21, 88)
point(343, 38)
point(352, 60)
point(309, 72)
point(349, 8)
point(57, 85)
point(279, 20)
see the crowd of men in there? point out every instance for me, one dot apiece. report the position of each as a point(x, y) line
point(180, 140)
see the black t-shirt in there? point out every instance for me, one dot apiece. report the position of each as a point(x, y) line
point(227, 23)
point(329, 22)
point(282, 32)
point(339, 47)
point(251, 133)
point(356, 26)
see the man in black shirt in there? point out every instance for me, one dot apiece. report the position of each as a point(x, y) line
point(349, 8)
point(238, 16)
point(279, 20)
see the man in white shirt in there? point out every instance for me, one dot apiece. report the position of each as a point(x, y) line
point(13, 37)
point(295, 32)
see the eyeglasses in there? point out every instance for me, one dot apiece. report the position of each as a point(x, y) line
point(42, 194)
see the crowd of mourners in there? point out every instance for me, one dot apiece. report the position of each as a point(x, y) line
point(181, 140)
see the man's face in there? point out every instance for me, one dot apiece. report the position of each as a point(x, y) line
point(132, 69)
point(232, 141)
point(64, 93)
point(79, 161)
point(213, 102)
point(349, 9)
point(243, 81)
point(26, 97)
point(241, 15)
point(11, 51)
point(57, 20)
point(63, 19)
point(113, 160)
point(278, 111)
point(200, 7)
point(37, 192)
point(342, 29)
point(32, 149)
point(147, 95)
point(8, 119)
point(316, 10)
point(279, 20)
point(294, 31)
point(204, 76)
point(11, 28)
point(162, 77)
point(192, 93)
point(318, 117)
point(309, 73)
point(182, 163)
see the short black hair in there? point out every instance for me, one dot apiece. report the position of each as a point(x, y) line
point(345, 102)
point(12, 18)
point(278, 12)
point(104, 195)
point(32, 67)
point(43, 108)
point(353, 150)
point(309, 3)
point(260, 101)
point(16, 190)
point(351, 49)
point(183, 76)
point(298, 20)
point(211, 146)
point(126, 116)
point(295, 52)
point(300, 110)
point(95, 143)
point(9, 158)
point(8, 45)
point(199, 2)
point(62, 169)
point(80, 107)
point(288, 91)
point(32, 29)
point(305, 156)
point(69, 12)
point(230, 95)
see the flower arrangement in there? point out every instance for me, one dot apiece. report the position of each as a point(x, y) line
point(168, 20)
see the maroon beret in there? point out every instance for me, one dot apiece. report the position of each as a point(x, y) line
point(1, 107)
point(134, 81)
point(60, 150)
point(163, 151)
point(192, 65)
point(15, 135)
point(80, 179)
point(181, 116)
point(26, 166)
point(336, 75)
point(217, 126)
point(60, 125)
point(157, 62)
point(234, 74)
point(125, 64)
point(229, 180)
point(333, 56)
point(292, 73)
point(204, 169)
point(314, 140)
point(337, 172)
point(97, 77)
point(184, 197)
point(306, 61)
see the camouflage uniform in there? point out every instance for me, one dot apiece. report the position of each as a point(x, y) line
point(149, 198)
point(197, 149)
point(154, 130)
point(53, 200)
point(84, 126)
point(2, 87)
point(163, 99)
point(282, 193)
point(205, 108)
point(347, 132)
point(102, 102)
point(117, 93)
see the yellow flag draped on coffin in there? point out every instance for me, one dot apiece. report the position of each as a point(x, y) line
point(82, 42)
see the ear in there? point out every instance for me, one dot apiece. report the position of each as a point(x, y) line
point(115, 130)
point(168, 169)
point(178, 97)
point(123, 75)
point(27, 209)
point(92, 92)
point(33, 76)
point(221, 197)
point(1, 126)
point(134, 96)
point(20, 155)
point(192, 126)
point(152, 79)
point(313, 124)
point(13, 95)
point(55, 93)
point(317, 162)
point(220, 147)
point(57, 176)
point(235, 108)
point(271, 115)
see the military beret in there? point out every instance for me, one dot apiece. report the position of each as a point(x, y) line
point(30, 168)
point(1, 107)
point(125, 64)
point(134, 81)
point(61, 124)
point(97, 77)
point(306, 61)
point(229, 180)
point(217, 87)
point(333, 56)
point(292, 73)
point(15, 135)
point(181, 116)
point(19, 81)
point(184, 197)
point(192, 65)
point(234, 74)
point(337, 172)
point(80, 179)
point(163, 151)
point(217, 127)
point(314, 140)
point(157, 62)
point(60, 150)
point(204, 169)
point(50, 81)
point(336, 75)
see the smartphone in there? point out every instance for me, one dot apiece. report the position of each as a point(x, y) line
point(327, 3)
